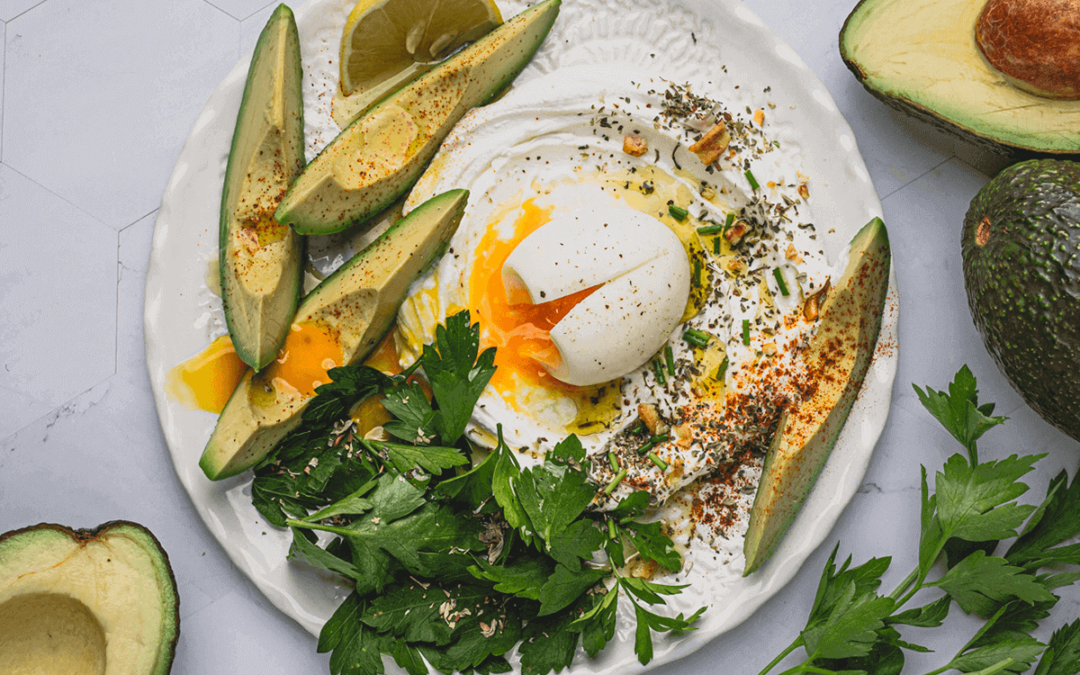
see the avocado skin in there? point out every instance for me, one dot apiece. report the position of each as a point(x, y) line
point(897, 101)
point(166, 649)
point(1023, 283)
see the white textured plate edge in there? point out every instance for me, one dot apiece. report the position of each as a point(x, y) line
point(844, 196)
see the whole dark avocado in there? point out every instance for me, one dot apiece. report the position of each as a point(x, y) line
point(1021, 251)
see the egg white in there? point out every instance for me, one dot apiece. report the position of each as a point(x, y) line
point(545, 141)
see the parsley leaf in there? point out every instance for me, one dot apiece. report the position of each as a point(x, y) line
point(959, 411)
point(979, 583)
point(456, 375)
point(1062, 656)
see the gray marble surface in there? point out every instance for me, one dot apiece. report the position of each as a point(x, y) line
point(97, 99)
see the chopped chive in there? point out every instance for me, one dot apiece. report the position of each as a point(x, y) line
point(660, 464)
point(645, 448)
point(637, 428)
point(780, 281)
point(612, 532)
point(697, 272)
point(750, 177)
point(722, 370)
point(670, 358)
point(615, 482)
point(716, 245)
point(614, 461)
point(729, 221)
point(660, 439)
point(715, 228)
point(696, 337)
point(677, 212)
point(658, 370)
point(746, 332)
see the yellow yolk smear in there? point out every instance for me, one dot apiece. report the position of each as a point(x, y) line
point(309, 352)
point(207, 380)
point(521, 331)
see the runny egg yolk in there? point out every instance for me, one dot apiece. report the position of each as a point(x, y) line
point(520, 330)
point(309, 352)
point(206, 380)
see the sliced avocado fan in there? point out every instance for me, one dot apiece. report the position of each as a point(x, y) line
point(357, 304)
point(380, 155)
point(837, 358)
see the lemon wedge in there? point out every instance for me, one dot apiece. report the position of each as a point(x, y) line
point(388, 43)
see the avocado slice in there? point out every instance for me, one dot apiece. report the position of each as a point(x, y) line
point(358, 302)
point(101, 601)
point(1019, 246)
point(380, 155)
point(837, 356)
point(921, 57)
point(261, 260)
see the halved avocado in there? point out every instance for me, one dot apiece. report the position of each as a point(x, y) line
point(261, 260)
point(380, 155)
point(921, 57)
point(93, 602)
point(837, 359)
point(358, 302)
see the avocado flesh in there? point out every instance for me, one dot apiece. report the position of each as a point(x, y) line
point(920, 56)
point(380, 155)
point(99, 602)
point(261, 261)
point(1019, 245)
point(837, 358)
point(358, 302)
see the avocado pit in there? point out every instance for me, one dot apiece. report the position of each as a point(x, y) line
point(1033, 44)
point(47, 633)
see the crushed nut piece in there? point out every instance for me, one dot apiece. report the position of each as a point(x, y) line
point(804, 191)
point(759, 117)
point(735, 233)
point(649, 415)
point(736, 265)
point(792, 254)
point(635, 145)
point(712, 144)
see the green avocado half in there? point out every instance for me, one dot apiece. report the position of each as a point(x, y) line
point(358, 302)
point(378, 157)
point(261, 260)
point(837, 359)
point(93, 602)
point(921, 57)
point(1021, 251)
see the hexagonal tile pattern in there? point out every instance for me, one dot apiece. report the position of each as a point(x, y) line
point(135, 243)
point(58, 334)
point(106, 130)
point(242, 9)
point(9, 9)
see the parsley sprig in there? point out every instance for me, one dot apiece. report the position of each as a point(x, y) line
point(456, 562)
point(853, 629)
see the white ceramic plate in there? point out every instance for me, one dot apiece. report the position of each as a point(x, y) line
point(714, 44)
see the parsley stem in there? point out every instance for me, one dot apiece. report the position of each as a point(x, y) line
point(792, 647)
point(615, 482)
point(612, 531)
